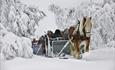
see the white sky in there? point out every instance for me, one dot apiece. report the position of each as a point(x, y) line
point(43, 4)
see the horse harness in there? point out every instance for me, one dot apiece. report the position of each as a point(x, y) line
point(78, 33)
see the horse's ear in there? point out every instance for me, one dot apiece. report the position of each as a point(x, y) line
point(84, 17)
point(90, 18)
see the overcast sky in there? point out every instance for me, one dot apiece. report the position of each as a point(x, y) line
point(45, 3)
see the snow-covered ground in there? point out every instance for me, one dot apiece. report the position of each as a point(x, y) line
point(97, 59)
point(100, 59)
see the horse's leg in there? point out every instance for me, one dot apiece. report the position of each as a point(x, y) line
point(82, 46)
point(87, 47)
point(77, 50)
point(72, 48)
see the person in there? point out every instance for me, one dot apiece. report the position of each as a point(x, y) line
point(34, 46)
point(41, 45)
point(57, 33)
point(50, 34)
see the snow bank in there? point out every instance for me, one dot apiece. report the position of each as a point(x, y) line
point(27, 50)
point(14, 46)
point(103, 54)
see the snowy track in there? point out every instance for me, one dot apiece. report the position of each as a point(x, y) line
point(94, 61)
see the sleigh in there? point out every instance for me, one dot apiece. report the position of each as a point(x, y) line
point(57, 47)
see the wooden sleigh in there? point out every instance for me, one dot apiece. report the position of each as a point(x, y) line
point(56, 47)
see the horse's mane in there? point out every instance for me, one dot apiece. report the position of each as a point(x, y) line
point(84, 20)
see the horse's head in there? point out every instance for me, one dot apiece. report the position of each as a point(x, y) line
point(70, 32)
point(88, 26)
point(81, 26)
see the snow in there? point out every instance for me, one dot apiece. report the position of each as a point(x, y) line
point(46, 24)
point(17, 24)
point(14, 45)
point(100, 59)
point(49, 22)
point(63, 3)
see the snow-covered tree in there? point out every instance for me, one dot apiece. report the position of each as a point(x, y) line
point(103, 27)
point(17, 24)
point(103, 19)
point(64, 17)
point(19, 18)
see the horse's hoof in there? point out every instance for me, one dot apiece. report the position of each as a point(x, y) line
point(80, 57)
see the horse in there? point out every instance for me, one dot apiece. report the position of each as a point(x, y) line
point(74, 43)
point(78, 35)
point(81, 27)
point(86, 29)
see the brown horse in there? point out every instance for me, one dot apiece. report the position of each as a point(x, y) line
point(78, 35)
point(87, 30)
point(74, 43)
